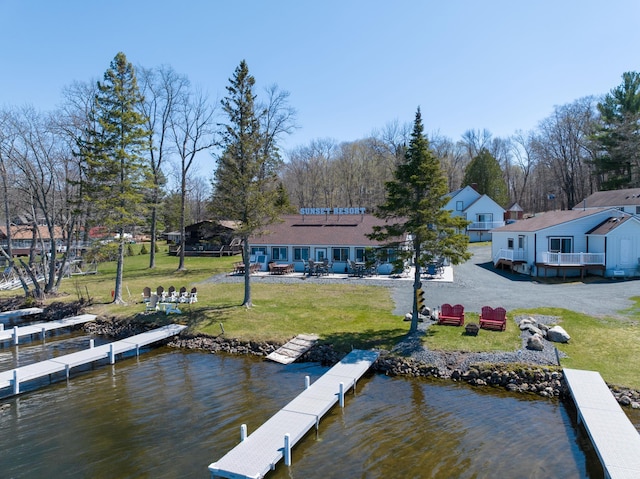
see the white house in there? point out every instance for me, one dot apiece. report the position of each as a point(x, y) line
point(484, 213)
point(603, 241)
point(625, 200)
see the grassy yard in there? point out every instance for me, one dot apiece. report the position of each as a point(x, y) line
point(343, 314)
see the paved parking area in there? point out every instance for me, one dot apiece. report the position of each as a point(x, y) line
point(476, 283)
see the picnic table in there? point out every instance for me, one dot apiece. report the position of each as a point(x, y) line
point(276, 268)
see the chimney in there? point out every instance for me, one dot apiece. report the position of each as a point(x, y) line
point(474, 186)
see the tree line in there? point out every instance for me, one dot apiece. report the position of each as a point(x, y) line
point(123, 153)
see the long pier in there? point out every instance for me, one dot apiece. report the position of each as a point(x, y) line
point(259, 453)
point(614, 437)
point(18, 332)
point(15, 377)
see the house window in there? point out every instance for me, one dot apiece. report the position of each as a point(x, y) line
point(340, 254)
point(279, 253)
point(520, 242)
point(459, 205)
point(300, 253)
point(360, 255)
point(510, 243)
point(561, 245)
point(257, 250)
point(638, 210)
point(484, 217)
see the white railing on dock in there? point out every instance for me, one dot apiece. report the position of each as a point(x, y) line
point(259, 453)
point(570, 259)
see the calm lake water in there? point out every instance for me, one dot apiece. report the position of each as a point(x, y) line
point(170, 413)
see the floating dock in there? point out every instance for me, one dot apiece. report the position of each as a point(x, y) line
point(18, 332)
point(259, 453)
point(15, 377)
point(17, 313)
point(614, 437)
point(293, 349)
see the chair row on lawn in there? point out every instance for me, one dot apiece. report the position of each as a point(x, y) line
point(490, 318)
point(171, 295)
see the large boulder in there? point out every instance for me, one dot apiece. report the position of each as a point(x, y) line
point(557, 334)
point(534, 330)
point(535, 343)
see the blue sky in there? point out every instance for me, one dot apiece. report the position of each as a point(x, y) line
point(351, 66)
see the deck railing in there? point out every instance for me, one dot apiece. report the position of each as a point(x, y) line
point(511, 255)
point(485, 225)
point(569, 259)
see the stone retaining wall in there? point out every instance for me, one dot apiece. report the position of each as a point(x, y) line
point(542, 381)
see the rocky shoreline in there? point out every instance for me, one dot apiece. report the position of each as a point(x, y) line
point(542, 380)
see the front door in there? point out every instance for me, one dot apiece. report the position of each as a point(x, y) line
point(321, 254)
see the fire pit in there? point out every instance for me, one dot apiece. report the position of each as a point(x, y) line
point(472, 329)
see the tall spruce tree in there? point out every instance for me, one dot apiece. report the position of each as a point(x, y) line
point(117, 170)
point(245, 181)
point(414, 206)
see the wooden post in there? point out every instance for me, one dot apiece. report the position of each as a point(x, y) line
point(43, 332)
point(92, 343)
point(112, 356)
point(15, 335)
point(307, 382)
point(287, 449)
point(243, 432)
point(341, 394)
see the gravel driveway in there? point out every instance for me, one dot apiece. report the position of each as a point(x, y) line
point(476, 283)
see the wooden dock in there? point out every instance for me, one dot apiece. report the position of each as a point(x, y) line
point(293, 349)
point(18, 332)
point(614, 437)
point(15, 377)
point(259, 453)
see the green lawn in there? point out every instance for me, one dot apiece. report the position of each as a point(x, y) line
point(344, 314)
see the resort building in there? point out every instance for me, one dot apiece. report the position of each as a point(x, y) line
point(338, 235)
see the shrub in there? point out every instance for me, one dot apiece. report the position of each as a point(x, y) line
point(144, 250)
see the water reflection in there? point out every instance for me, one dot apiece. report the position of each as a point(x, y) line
point(168, 414)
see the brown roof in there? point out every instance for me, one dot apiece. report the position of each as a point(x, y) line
point(627, 197)
point(548, 219)
point(25, 232)
point(347, 230)
point(609, 225)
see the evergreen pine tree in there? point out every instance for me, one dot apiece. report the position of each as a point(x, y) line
point(116, 169)
point(245, 181)
point(414, 206)
point(484, 171)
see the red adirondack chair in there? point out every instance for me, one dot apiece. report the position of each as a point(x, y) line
point(493, 318)
point(453, 315)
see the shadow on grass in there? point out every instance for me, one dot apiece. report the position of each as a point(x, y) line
point(370, 339)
